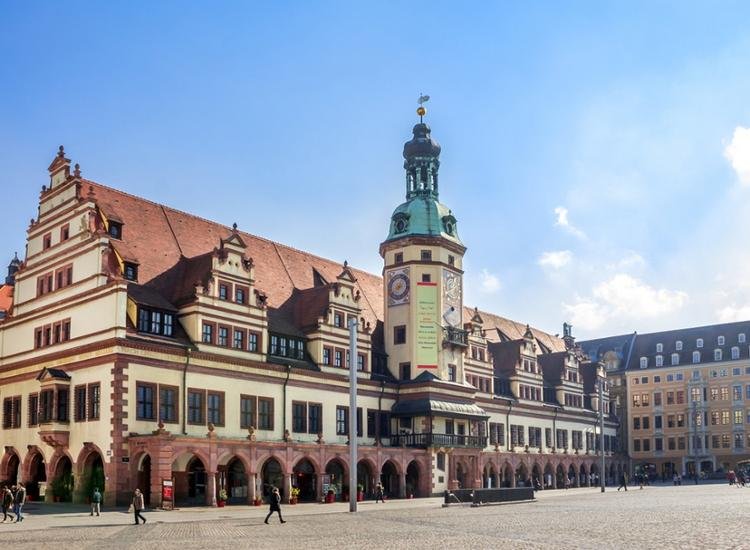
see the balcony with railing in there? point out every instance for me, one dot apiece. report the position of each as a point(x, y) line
point(429, 439)
point(455, 336)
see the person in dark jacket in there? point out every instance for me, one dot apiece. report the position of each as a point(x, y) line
point(379, 493)
point(96, 501)
point(7, 501)
point(19, 500)
point(623, 481)
point(275, 505)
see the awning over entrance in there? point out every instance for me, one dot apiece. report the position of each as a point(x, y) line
point(432, 407)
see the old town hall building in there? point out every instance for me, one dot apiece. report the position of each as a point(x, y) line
point(140, 344)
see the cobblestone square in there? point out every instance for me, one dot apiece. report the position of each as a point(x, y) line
point(703, 516)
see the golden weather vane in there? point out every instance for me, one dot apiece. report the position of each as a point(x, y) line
point(421, 111)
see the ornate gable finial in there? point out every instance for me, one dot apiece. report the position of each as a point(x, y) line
point(528, 334)
point(234, 227)
point(77, 170)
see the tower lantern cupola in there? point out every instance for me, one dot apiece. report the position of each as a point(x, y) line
point(13, 267)
point(421, 163)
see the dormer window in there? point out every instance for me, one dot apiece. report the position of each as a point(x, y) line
point(644, 362)
point(131, 271)
point(717, 355)
point(659, 348)
point(741, 338)
point(678, 345)
point(696, 357)
point(720, 340)
point(675, 358)
point(735, 352)
point(154, 321)
point(115, 230)
point(699, 343)
point(659, 360)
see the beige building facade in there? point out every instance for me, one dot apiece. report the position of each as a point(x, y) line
point(144, 346)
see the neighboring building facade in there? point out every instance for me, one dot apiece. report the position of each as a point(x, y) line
point(143, 344)
point(686, 397)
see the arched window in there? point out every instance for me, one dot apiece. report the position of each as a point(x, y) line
point(735, 352)
point(741, 337)
point(659, 347)
point(675, 358)
point(696, 357)
point(678, 345)
point(644, 362)
point(720, 341)
point(699, 343)
point(659, 360)
point(717, 355)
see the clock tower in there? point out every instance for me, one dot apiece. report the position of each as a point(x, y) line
point(422, 272)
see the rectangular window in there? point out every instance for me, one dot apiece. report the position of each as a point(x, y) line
point(337, 358)
point(252, 341)
point(247, 411)
point(46, 241)
point(195, 406)
point(239, 295)
point(215, 408)
point(452, 373)
point(63, 399)
point(95, 396)
point(223, 291)
point(65, 232)
point(399, 334)
point(80, 403)
point(145, 401)
point(299, 417)
point(315, 418)
point(338, 319)
point(637, 445)
point(426, 255)
point(33, 409)
point(657, 422)
point(670, 398)
point(265, 413)
point(657, 399)
point(46, 404)
point(223, 339)
point(168, 404)
point(238, 342)
point(326, 356)
point(405, 371)
point(208, 333)
point(360, 362)
point(342, 420)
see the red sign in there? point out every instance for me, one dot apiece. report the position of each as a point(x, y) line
point(166, 492)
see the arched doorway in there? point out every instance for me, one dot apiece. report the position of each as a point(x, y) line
point(144, 478)
point(365, 477)
point(522, 476)
point(583, 478)
point(549, 476)
point(412, 479)
point(337, 472)
point(197, 482)
point(536, 475)
point(11, 469)
point(62, 483)
point(271, 476)
point(304, 480)
point(92, 476)
point(595, 474)
point(560, 475)
point(507, 475)
point(572, 476)
point(490, 476)
point(37, 475)
point(389, 479)
point(461, 475)
point(235, 482)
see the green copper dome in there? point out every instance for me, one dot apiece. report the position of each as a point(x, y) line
point(422, 214)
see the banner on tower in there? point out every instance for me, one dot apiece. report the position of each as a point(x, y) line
point(427, 325)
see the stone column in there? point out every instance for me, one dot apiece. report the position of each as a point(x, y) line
point(211, 489)
point(251, 488)
point(318, 488)
point(287, 487)
point(402, 485)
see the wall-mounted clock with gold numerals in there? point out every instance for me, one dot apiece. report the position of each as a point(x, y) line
point(398, 287)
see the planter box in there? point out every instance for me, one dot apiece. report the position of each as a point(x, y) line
point(220, 503)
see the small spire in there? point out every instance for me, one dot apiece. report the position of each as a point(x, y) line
point(61, 152)
point(77, 170)
point(234, 227)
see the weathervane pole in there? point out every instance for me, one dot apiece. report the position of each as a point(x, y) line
point(421, 111)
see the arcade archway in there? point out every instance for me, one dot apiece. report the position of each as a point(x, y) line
point(412, 479)
point(389, 479)
point(271, 476)
point(304, 478)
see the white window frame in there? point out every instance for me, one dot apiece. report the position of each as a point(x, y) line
point(678, 345)
point(717, 355)
point(735, 352)
point(696, 357)
point(675, 358)
point(720, 340)
point(659, 360)
point(699, 343)
point(659, 347)
point(644, 362)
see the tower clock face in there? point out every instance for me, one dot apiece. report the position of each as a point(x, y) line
point(398, 287)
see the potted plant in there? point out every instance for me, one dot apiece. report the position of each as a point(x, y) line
point(330, 496)
point(258, 501)
point(222, 500)
point(360, 493)
point(294, 497)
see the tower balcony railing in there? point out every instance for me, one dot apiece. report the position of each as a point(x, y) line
point(429, 439)
point(456, 336)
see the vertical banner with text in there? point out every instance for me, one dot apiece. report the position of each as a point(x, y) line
point(427, 326)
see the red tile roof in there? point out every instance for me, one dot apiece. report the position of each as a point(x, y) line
point(172, 247)
point(6, 297)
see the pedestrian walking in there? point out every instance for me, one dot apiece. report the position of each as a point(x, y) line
point(96, 501)
point(7, 501)
point(19, 500)
point(275, 505)
point(379, 493)
point(138, 506)
point(623, 481)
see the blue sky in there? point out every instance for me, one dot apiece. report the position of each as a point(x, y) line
point(597, 157)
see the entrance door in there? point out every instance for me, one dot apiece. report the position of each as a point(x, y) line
point(197, 482)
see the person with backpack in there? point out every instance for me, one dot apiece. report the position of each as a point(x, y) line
point(96, 501)
point(7, 502)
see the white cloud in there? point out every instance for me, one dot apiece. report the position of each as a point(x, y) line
point(623, 297)
point(562, 221)
point(729, 314)
point(489, 283)
point(738, 154)
point(555, 259)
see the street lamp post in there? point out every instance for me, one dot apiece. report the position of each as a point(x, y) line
point(353, 414)
point(601, 429)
